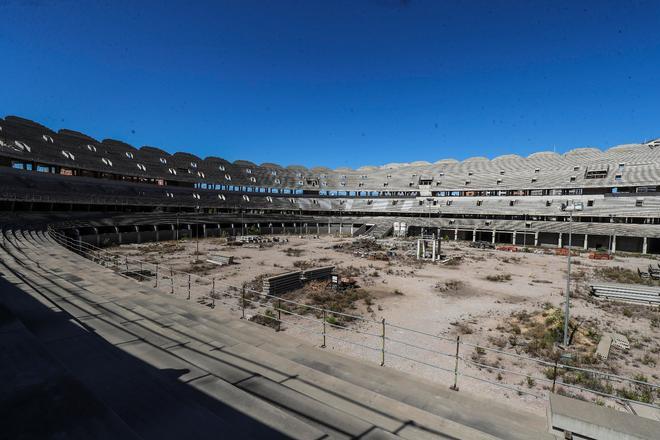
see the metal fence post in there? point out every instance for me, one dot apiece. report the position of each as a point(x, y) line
point(213, 293)
point(243, 303)
point(382, 350)
point(279, 314)
point(554, 376)
point(455, 386)
point(324, 319)
point(188, 286)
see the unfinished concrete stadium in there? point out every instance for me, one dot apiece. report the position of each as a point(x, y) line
point(150, 295)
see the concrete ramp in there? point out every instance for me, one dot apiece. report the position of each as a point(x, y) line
point(588, 421)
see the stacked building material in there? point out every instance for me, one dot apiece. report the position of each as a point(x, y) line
point(221, 260)
point(317, 273)
point(627, 292)
point(282, 283)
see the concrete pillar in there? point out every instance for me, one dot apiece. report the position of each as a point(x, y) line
point(98, 237)
point(456, 234)
point(613, 243)
point(204, 230)
point(514, 238)
point(318, 230)
point(586, 241)
point(156, 233)
point(118, 235)
point(340, 228)
point(419, 247)
point(328, 226)
point(494, 232)
point(137, 233)
point(351, 229)
point(474, 235)
point(433, 251)
point(536, 238)
point(644, 245)
point(559, 242)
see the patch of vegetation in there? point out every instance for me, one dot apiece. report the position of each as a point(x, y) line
point(200, 267)
point(622, 275)
point(293, 252)
point(449, 285)
point(321, 294)
point(462, 328)
point(303, 264)
point(499, 278)
point(268, 319)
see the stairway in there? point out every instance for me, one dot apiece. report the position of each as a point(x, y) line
point(381, 229)
point(157, 366)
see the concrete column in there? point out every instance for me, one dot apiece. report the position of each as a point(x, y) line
point(204, 230)
point(644, 245)
point(613, 243)
point(559, 242)
point(328, 226)
point(137, 230)
point(586, 241)
point(494, 232)
point(318, 231)
point(514, 238)
point(98, 237)
point(474, 235)
point(340, 228)
point(456, 234)
point(419, 247)
point(351, 229)
point(118, 234)
point(536, 238)
point(433, 251)
point(156, 233)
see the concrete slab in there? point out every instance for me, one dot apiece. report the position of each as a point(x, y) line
point(596, 422)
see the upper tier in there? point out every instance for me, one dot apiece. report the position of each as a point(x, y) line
point(623, 165)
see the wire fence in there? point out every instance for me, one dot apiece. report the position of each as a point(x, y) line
point(380, 341)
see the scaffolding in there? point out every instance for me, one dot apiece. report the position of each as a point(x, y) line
point(428, 247)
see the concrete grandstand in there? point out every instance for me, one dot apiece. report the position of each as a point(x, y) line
point(120, 361)
point(509, 199)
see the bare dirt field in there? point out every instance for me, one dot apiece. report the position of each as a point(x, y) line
point(507, 301)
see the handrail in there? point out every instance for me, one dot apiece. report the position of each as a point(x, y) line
point(384, 337)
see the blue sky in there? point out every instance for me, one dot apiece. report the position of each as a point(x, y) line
point(337, 83)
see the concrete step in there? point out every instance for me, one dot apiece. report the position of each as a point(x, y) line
point(153, 355)
point(34, 386)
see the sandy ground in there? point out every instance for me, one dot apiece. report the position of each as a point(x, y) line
point(412, 295)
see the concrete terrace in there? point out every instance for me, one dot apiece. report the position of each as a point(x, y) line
point(91, 354)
